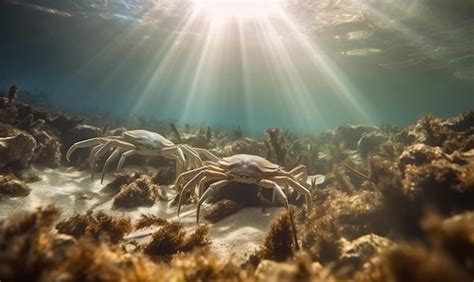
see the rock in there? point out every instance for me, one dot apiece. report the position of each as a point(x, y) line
point(461, 123)
point(349, 135)
point(420, 154)
point(269, 270)
point(13, 187)
point(4, 102)
point(140, 192)
point(61, 244)
point(243, 146)
point(359, 252)
point(50, 149)
point(17, 150)
point(300, 270)
point(370, 142)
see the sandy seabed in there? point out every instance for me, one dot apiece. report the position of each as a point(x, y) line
point(73, 192)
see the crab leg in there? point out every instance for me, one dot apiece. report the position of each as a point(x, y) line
point(111, 158)
point(102, 150)
point(178, 154)
point(212, 188)
point(124, 156)
point(92, 153)
point(207, 154)
point(186, 175)
point(190, 174)
point(302, 190)
point(300, 173)
point(82, 144)
point(106, 147)
point(270, 184)
point(188, 185)
point(210, 175)
point(193, 156)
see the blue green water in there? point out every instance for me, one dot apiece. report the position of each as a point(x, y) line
point(325, 64)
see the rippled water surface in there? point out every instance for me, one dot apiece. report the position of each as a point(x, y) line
point(304, 65)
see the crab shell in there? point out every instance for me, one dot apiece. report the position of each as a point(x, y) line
point(250, 166)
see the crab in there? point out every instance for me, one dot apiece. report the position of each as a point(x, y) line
point(142, 142)
point(243, 168)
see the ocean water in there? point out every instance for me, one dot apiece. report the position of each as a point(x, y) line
point(306, 66)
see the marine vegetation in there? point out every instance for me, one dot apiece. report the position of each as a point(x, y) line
point(390, 204)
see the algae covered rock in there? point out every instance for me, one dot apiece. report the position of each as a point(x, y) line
point(50, 149)
point(13, 187)
point(370, 142)
point(359, 252)
point(17, 148)
point(349, 135)
point(139, 192)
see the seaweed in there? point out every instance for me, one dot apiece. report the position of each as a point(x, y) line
point(25, 246)
point(12, 93)
point(453, 236)
point(121, 180)
point(221, 210)
point(89, 261)
point(279, 242)
point(301, 269)
point(165, 175)
point(276, 144)
point(147, 220)
point(200, 266)
point(96, 226)
point(13, 187)
point(430, 266)
point(140, 192)
point(176, 133)
point(171, 239)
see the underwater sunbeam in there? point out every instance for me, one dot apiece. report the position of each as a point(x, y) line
point(222, 10)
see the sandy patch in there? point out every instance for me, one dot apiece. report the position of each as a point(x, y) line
point(73, 192)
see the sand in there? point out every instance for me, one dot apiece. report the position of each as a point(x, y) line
point(72, 191)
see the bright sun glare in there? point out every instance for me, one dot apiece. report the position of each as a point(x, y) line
point(225, 9)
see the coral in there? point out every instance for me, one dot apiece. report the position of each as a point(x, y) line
point(96, 225)
point(13, 187)
point(221, 210)
point(140, 192)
